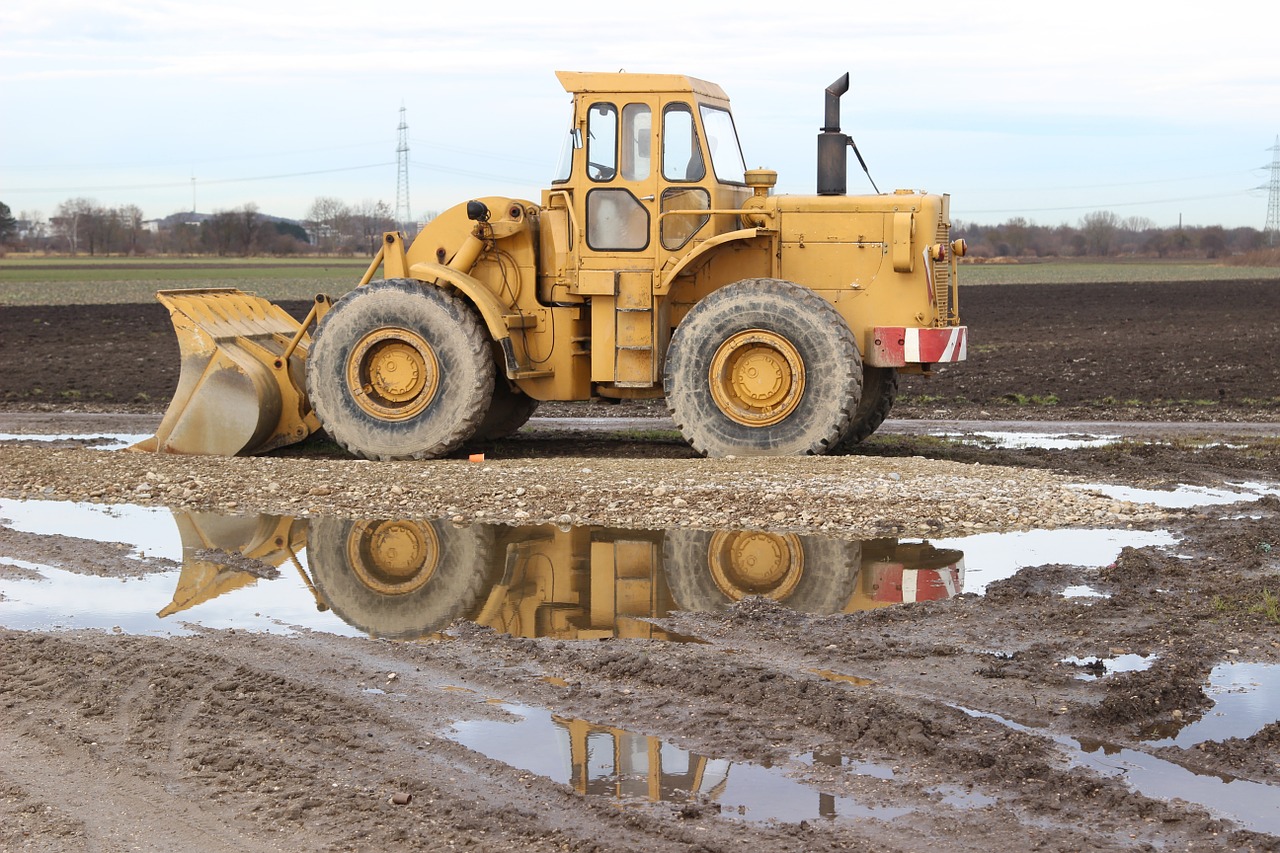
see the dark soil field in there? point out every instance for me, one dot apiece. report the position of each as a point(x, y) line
point(1158, 351)
point(1131, 703)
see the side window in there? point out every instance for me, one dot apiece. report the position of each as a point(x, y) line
point(616, 221)
point(681, 153)
point(602, 142)
point(637, 132)
point(678, 228)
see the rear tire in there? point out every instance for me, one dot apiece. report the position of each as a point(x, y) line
point(400, 370)
point(879, 390)
point(763, 367)
point(709, 571)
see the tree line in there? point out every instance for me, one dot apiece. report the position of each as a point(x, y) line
point(82, 226)
point(1103, 234)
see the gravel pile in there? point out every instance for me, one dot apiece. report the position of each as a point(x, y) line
point(855, 495)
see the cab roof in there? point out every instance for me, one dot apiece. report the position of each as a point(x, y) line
point(604, 82)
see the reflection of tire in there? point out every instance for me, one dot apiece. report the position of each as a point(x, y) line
point(763, 367)
point(509, 410)
point(400, 370)
point(399, 578)
point(879, 390)
point(708, 571)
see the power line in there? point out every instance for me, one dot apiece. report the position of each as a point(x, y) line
point(186, 181)
point(1105, 205)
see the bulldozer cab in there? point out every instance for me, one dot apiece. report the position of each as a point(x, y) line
point(648, 161)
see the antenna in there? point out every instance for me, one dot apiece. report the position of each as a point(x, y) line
point(1272, 231)
point(403, 217)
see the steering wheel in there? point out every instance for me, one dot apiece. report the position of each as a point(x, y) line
point(602, 172)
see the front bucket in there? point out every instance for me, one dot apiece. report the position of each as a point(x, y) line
point(236, 395)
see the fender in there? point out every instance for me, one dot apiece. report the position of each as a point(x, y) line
point(491, 310)
point(706, 247)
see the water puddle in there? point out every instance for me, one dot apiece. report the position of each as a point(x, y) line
point(1082, 591)
point(1184, 497)
point(998, 440)
point(632, 769)
point(159, 571)
point(1251, 804)
point(990, 557)
point(1094, 668)
point(1246, 698)
point(91, 440)
point(412, 578)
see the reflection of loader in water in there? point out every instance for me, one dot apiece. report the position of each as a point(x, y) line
point(404, 578)
point(624, 765)
point(409, 578)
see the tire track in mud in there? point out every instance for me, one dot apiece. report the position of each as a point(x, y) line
point(260, 752)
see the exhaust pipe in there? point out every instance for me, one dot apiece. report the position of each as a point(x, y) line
point(833, 160)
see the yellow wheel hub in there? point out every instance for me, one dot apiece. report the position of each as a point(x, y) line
point(755, 562)
point(757, 378)
point(393, 557)
point(393, 374)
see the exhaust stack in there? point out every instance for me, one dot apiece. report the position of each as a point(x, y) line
point(833, 158)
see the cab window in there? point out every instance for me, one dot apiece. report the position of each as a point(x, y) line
point(637, 131)
point(602, 142)
point(681, 153)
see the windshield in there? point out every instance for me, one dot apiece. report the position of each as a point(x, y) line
point(572, 140)
point(722, 139)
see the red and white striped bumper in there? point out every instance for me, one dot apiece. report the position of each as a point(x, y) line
point(898, 346)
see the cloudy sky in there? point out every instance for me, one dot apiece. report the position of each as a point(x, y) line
point(1046, 111)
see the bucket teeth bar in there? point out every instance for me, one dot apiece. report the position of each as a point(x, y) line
point(238, 393)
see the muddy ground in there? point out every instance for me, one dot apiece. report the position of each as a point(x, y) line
point(962, 723)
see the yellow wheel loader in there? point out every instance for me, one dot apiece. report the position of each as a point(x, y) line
point(656, 264)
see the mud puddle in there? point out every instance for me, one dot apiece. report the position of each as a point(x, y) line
point(631, 768)
point(91, 440)
point(1185, 497)
point(412, 578)
point(1251, 804)
point(1246, 698)
point(1003, 440)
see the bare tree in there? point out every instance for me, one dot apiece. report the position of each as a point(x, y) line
point(1099, 231)
point(250, 226)
point(328, 218)
point(372, 219)
point(72, 221)
point(130, 217)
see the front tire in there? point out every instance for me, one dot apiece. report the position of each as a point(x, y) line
point(763, 367)
point(399, 578)
point(400, 370)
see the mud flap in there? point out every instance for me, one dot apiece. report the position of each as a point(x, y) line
point(236, 394)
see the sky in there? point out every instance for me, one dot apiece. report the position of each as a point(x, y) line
point(1164, 111)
